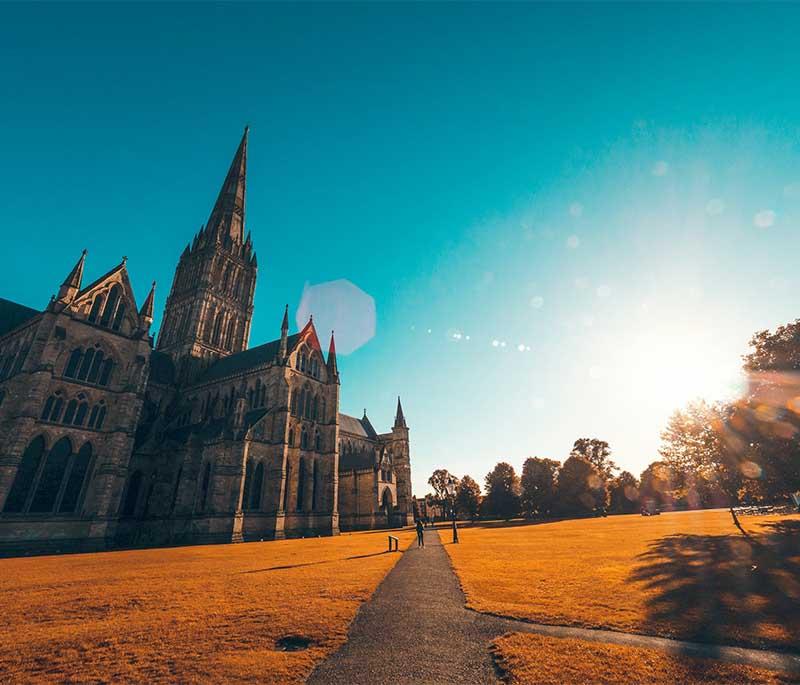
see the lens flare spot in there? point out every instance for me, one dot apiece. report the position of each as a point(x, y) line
point(750, 469)
point(660, 168)
point(576, 210)
point(764, 219)
point(604, 291)
point(341, 306)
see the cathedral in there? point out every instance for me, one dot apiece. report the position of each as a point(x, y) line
point(109, 440)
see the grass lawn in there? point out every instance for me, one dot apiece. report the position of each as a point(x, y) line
point(187, 614)
point(690, 575)
point(544, 660)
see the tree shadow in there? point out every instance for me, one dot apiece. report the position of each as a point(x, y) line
point(315, 563)
point(726, 588)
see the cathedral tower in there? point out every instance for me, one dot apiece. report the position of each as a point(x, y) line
point(210, 305)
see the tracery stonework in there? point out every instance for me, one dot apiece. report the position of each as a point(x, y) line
point(105, 441)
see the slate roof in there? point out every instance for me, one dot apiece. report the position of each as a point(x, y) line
point(215, 428)
point(361, 427)
point(13, 315)
point(242, 361)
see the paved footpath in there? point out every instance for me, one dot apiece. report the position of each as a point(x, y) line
point(415, 629)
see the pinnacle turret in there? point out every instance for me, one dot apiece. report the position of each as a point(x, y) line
point(72, 284)
point(399, 419)
point(146, 312)
point(333, 369)
point(283, 347)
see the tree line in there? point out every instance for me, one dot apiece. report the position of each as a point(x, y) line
point(712, 454)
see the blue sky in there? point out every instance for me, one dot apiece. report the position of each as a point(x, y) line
point(590, 207)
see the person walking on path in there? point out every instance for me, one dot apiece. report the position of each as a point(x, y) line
point(420, 534)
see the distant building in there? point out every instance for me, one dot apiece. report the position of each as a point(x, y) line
point(105, 441)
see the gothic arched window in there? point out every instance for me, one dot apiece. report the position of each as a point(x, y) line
point(132, 495)
point(53, 406)
point(105, 372)
point(74, 363)
point(96, 306)
point(94, 371)
point(304, 440)
point(69, 414)
point(258, 482)
point(86, 364)
point(314, 487)
point(55, 466)
point(77, 476)
point(111, 305)
point(291, 437)
point(215, 338)
point(97, 415)
point(119, 317)
point(229, 333)
point(83, 408)
point(301, 477)
point(26, 474)
point(317, 441)
point(248, 483)
point(205, 486)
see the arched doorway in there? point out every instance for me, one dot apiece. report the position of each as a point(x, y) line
point(387, 507)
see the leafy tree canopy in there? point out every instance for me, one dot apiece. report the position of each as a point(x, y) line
point(597, 453)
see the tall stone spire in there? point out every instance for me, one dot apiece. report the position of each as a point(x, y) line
point(227, 217)
point(399, 419)
point(210, 306)
point(72, 284)
point(331, 361)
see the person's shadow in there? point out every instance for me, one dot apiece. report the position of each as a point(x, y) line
point(726, 589)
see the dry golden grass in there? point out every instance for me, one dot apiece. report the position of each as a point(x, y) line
point(542, 660)
point(690, 575)
point(188, 614)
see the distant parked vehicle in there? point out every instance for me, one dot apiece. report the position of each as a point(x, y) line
point(649, 508)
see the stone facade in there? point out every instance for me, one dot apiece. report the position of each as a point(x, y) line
point(105, 441)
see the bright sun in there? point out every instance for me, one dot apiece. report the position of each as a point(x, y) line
point(667, 368)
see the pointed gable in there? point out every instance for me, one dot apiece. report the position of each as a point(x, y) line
point(308, 336)
point(109, 301)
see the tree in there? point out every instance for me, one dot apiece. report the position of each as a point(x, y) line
point(538, 486)
point(502, 491)
point(656, 484)
point(778, 351)
point(624, 493)
point(597, 453)
point(439, 481)
point(581, 490)
point(468, 497)
point(708, 443)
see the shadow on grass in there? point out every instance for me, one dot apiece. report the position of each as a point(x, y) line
point(317, 563)
point(726, 588)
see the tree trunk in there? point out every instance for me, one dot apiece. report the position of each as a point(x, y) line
point(736, 520)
